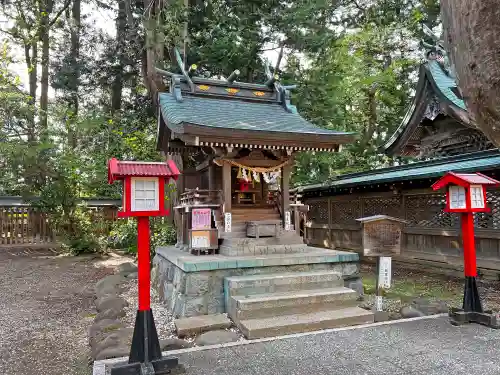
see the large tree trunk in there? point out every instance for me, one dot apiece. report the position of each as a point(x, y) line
point(31, 58)
point(118, 69)
point(472, 34)
point(74, 79)
point(45, 10)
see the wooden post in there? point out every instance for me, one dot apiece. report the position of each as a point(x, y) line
point(285, 189)
point(226, 186)
point(211, 175)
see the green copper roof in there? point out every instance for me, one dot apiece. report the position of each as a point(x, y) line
point(235, 114)
point(445, 83)
point(477, 161)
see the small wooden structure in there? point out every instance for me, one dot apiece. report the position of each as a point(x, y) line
point(235, 143)
point(381, 235)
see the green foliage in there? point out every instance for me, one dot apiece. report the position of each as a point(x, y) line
point(124, 235)
point(354, 63)
point(80, 233)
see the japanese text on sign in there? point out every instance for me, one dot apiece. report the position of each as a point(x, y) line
point(201, 218)
point(384, 276)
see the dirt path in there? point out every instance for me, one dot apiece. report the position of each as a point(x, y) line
point(45, 310)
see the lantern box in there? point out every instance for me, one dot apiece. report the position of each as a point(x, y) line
point(143, 186)
point(465, 192)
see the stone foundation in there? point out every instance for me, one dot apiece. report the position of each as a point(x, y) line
point(194, 285)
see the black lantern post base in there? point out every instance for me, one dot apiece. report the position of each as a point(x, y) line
point(472, 310)
point(145, 354)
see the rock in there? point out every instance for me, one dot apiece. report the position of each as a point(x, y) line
point(202, 323)
point(114, 352)
point(125, 333)
point(109, 291)
point(381, 316)
point(113, 340)
point(109, 281)
point(132, 275)
point(357, 286)
point(112, 313)
point(216, 337)
point(111, 302)
point(103, 326)
point(410, 312)
point(429, 307)
point(125, 269)
point(174, 344)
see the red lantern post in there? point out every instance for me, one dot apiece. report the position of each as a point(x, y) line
point(143, 196)
point(466, 194)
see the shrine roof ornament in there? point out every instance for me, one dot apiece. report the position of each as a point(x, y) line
point(200, 111)
point(436, 93)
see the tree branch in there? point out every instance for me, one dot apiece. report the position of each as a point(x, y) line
point(58, 14)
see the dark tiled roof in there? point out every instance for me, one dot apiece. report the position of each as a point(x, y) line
point(235, 114)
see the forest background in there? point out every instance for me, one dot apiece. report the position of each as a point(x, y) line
point(76, 89)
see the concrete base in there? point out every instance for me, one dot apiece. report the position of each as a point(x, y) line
point(194, 285)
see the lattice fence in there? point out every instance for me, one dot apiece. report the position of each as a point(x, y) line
point(426, 210)
point(346, 211)
point(318, 211)
point(490, 220)
point(390, 206)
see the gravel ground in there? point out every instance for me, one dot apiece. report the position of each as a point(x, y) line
point(45, 310)
point(164, 321)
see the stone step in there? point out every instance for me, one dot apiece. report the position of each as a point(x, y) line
point(230, 250)
point(294, 302)
point(298, 323)
point(281, 282)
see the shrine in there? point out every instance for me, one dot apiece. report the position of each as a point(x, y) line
point(439, 136)
point(239, 248)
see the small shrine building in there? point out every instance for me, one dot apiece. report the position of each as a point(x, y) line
point(237, 249)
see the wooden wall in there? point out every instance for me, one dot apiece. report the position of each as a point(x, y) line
point(430, 238)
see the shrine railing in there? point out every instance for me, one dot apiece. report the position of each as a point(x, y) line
point(199, 197)
point(431, 234)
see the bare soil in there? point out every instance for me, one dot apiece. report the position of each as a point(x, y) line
point(46, 307)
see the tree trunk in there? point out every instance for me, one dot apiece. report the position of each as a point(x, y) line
point(472, 35)
point(118, 70)
point(74, 79)
point(31, 58)
point(45, 10)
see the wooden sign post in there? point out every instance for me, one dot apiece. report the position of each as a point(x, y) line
point(143, 196)
point(381, 239)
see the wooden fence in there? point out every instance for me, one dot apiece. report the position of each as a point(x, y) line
point(431, 237)
point(24, 225)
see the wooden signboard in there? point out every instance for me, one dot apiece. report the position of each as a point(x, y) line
point(201, 218)
point(381, 235)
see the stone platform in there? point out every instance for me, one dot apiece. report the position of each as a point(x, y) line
point(194, 285)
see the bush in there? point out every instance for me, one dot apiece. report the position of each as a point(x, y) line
point(81, 232)
point(123, 235)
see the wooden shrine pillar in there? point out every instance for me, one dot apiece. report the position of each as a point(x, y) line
point(211, 175)
point(226, 186)
point(285, 189)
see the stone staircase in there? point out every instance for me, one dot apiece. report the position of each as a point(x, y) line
point(269, 305)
